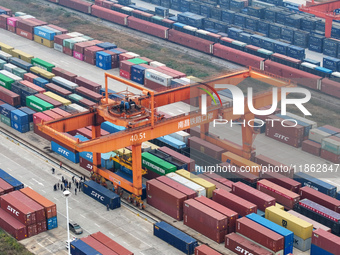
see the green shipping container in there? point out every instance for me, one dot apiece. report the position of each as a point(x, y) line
point(2, 62)
point(138, 61)
point(19, 72)
point(5, 120)
point(156, 164)
point(87, 38)
point(5, 81)
point(42, 64)
point(331, 145)
point(75, 97)
point(38, 104)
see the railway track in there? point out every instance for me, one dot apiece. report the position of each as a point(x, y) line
point(148, 216)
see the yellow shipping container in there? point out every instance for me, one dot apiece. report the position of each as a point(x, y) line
point(22, 55)
point(123, 151)
point(6, 48)
point(209, 187)
point(279, 206)
point(245, 164)
point(194, 79)
point(300, 227)
point(153, 146)
point(41, 72)
point(58, 98)
point(43, 41)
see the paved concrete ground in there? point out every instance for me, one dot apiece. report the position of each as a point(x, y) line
point(120, 224)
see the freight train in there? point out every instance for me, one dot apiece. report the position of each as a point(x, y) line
point(316, 78)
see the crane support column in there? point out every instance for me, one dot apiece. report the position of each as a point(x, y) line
point(96, 156)
point(247, 135)
point(137, 168)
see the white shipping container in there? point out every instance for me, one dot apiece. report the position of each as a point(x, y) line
point(75, 34)
point(336, 74)
point(158, 77)
point(181, 135)
point(63, 82)
point(57, 32)
point(19, 14)
point(127, 9)
point(200, 191)
point(58, 47)
point(203, 32)
point(317, 135)
point(5, 55)
point(146, 147)
point(10, 75)
point(190, 28)
point(78, 108)
point(156, 64)
point(27, 17)
point(310, 122)
point(133, 54)
point(10, 67)
point(309, 65)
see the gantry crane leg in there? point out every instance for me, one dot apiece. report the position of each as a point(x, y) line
point(247, 135)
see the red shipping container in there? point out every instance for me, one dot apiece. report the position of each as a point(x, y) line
point(11, 29)
point(90, 60)
point(77, 5)
point(40, 133)
point(231, 215)
point(98, 246)
point(332, 128)
point(326, 241)
point(61, 112)
point(87, 103)
point(102, 131)
point(177, 186)
point(80, 47)
point(50, 100)
point(330, 156)
point(125, 74)
point(83, 82)
point(62, 30)
point(37, 208)
point(52, 114)
point(126, 65)
point(67, 51)
point(260, 234)
point(27, 25)
point(205, 250)
point(250, 194)
point(286, 138)
point(146, 59)
point(205, 220)
point(2, 192)
point(30, 77)
point(283, 196)
point(89, 93)
point(151, 175)
point(116, 247)
point(58, 39)
point(282, 181)
point(3, 25)
point(235, 203)
point(50, 208)
point(24, 34)
point(114, 56)
point(330, 87)
point(33, 86)
point(110, 15)
point(203, 146)
point(148, 27)
point(190, 41)
point(165, 199)
point(240, 245)
point(39, 116)
point(58, 90)
point(125, 56)
point(265, 161)
point(32, 230)
point(219, 178)
point(12, 226)
point(9, 97)
point(84, 132)
point(5, 186)
point(216, 183)
point(8, 11)
point(189, 161)
point(87, 165)
point(320, 198)
point(18, 210)
point(177, 73)
point(238, 173)
point(64, 74)
point(92, 51)
point(154, 85)
point(41, 227)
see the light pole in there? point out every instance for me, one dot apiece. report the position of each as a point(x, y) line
point(66, 194)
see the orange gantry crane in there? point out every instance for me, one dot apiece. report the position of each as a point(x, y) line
point(143, 123)
point(323, 10)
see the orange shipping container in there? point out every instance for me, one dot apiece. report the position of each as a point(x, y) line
point(50, 207)
point(244, 164)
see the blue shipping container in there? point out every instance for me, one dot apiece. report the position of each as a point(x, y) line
point(11, 180)
point(314, 183)
point(106, 162)
point(316, 250)
point(331, 63)
point(287, 234)
point(20, 63)
point(6, 109)
point(22, 128)
point(52, 223)
point(281, 47)
point(101, 194)
point(175, 237)
point(19, 117)
point(111, 128)
point(172, 142)
point(41, 82)
point(331, 132)
point(78, 247)
point(128, 177)
point(74, 157)
point(44, 33)
point(29, 113)
point(106, 45)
